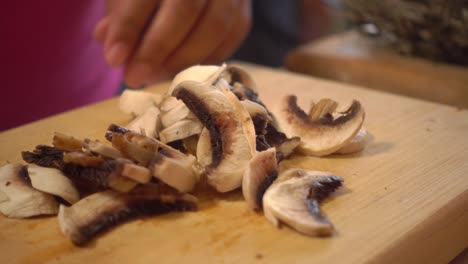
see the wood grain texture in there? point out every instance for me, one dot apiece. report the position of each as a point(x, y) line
point(405, 201)
point(351, 58)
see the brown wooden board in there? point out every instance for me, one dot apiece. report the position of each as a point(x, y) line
point(405, 201)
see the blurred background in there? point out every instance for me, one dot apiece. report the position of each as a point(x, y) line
point(52, 63)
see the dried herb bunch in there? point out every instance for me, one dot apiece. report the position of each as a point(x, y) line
point(435, 29)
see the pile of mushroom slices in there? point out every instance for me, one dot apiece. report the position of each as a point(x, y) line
point(215, 114)
point(209, 129)
point(93, 186)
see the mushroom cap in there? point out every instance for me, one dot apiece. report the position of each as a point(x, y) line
point(288, 201)
point(322, 136)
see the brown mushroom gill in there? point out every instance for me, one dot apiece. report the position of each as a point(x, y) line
point(100, 211)
point(45, 156)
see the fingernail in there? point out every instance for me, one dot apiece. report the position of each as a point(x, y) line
point(138, 74)
point(117, 54)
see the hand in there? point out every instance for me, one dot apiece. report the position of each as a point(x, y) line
point(155, 39)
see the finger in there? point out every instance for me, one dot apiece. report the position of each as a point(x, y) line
point(127, 23)
point(234, 38)
point(175, 18)
point(209, 33)
point(100, 31)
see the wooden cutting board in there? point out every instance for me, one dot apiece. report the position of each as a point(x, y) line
point(405, 201)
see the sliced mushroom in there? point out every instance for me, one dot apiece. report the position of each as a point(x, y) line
point(44, 156)
point(137, 102)
point(89, 179)
point(52, 181)
point(259, 115)
point(321, 136)
point(22, 200)
point(241, 111)
point(239, 78)
point(284, 146)
point(181, 130)
point(175, 172)
point(136, 147)
point(261, 171)
point(197, 73)
point(100, 211)
point(230, 146)
point(293, 199)
point(82, 159)
point(323, 108)
point(173, 111)
point(137, 173)
point(97, 147)
point(356, 144)
point(147, 123)
point(66, 142)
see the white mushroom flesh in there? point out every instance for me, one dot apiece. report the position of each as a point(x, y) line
point(289, 201)
point(52, 181)
point(261, 171)
point(22, 199)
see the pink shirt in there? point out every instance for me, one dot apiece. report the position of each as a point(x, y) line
point(49, 61)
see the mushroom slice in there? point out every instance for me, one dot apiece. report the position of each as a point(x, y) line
point(177, 173)
point(97, 147)
point(52, 181)
point(240, 110)
point(293, 199)
point(89, 179)
point(261, 171)
point(356, 144)
point(66, 142)
point(20, 199)
point(137, 102)
point(284, 146)
point(180, 130)
point(197, 73)
point(230, 147)
point(147, 123)
point(259, 115)
point(137, 173)
point(136, 147)
point(44, 156)
point(173, 111)
point(82, 159)
point(236, 76)
point(100, 211)
point(323, 108)
point(324, 135)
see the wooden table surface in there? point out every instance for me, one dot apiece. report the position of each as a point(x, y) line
point(405, 201)
point(352, 58)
